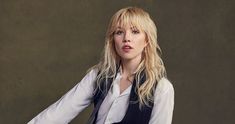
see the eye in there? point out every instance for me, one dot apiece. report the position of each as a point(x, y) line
point(135, 32)
point(119, 32)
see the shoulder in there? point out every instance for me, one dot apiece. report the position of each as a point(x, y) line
point(164, 86)
point(89, 78)
point(92, 73)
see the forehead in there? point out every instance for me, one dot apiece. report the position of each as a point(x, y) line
point(127, 24)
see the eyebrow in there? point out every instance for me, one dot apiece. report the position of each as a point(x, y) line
point(132, 27)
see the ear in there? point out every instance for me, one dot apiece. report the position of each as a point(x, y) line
point(146, 40)
point(146, 43)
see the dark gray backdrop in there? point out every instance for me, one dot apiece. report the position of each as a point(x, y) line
point(47, 46)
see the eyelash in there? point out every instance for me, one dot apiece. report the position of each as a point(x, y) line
point(135, 32)
point(118, 32)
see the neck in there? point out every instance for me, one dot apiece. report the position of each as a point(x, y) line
point(129, 66)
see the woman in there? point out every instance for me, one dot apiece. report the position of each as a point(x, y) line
point(128, 86)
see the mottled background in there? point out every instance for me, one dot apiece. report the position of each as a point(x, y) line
point(47, 46)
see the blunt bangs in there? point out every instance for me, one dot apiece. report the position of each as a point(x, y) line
point(129, 17)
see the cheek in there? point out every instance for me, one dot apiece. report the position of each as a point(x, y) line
point(142, 43)
point(116, 46)
point(117, 42)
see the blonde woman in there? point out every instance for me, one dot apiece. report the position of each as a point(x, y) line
point(129, 84)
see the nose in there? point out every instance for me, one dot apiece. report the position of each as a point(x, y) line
point(127, 37)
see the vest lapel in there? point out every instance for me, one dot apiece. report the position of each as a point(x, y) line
point(133, 115)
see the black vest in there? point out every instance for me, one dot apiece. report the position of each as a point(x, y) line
point(134, 115)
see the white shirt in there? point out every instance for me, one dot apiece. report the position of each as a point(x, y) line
point(112, 109)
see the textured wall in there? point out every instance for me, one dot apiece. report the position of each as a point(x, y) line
point(47, 46)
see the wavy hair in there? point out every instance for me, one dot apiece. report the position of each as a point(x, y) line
point(151, 62)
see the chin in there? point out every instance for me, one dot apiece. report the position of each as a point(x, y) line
point(127, 57)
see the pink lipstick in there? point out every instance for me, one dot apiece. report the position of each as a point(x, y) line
point(126, 48)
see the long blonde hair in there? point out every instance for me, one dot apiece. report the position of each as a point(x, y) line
point(151, 62)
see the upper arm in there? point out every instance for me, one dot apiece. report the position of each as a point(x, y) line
point(162, 112)
point(70, 104)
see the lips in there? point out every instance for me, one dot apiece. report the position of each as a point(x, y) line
point(126, 48)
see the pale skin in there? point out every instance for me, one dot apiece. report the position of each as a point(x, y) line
point(136, 39)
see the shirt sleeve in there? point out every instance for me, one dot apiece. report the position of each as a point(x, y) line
point(70, 104)
point(162, 112)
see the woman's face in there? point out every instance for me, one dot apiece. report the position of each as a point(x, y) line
point(129, 42)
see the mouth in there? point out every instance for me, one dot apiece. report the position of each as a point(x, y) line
point(126, 48)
